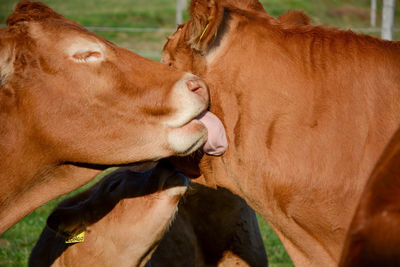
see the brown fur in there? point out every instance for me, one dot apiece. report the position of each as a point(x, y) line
point(308, 111)
point(60, 114)
point(374, 235)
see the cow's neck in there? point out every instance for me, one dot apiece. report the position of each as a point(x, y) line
point(299, 158)
point(18, 194)
point(138, 232)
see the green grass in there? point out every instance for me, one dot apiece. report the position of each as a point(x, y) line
point(277, 254)
point(17, 242)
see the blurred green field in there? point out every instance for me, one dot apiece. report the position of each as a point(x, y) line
point(15, 244)
point(161, 14)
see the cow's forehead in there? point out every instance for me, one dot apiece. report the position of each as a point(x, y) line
point(52, 29)
point(70, 38)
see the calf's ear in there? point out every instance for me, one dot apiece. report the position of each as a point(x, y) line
point(66, 222)
point(205, 18)
point(6, 59)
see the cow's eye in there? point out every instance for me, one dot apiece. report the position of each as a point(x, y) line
point(87, 56)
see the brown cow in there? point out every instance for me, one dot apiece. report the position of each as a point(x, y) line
point(125, 215)
point(70, 100)
point(307, 110)
point(374, 235)
point(211, 227)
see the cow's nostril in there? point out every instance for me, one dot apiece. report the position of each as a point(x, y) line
point(193, 85)
point(198, 87)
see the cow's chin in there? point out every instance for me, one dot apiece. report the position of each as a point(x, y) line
point(188, 138)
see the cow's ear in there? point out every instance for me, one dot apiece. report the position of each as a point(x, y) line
point(294, 18)
point(205, 18)
point(251, 5)
point(31, 11)
point(7, 57)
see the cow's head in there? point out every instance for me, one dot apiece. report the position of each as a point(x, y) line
point(80, 98)
point(214, 27)
point(203, 33)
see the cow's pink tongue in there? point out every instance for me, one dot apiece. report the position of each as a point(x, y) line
point(217, 143)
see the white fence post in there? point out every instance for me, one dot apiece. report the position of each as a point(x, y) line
point(180, 6)
point(387, 19)
point(373, 13)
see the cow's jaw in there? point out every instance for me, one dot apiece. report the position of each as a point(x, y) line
point(193, 126)
point(186, 133)
point(189, 103)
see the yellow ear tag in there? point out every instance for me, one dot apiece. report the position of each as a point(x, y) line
point(76, 239)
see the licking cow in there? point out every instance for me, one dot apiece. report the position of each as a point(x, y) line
point(72, 103)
